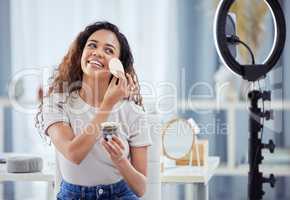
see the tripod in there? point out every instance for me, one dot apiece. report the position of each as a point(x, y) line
point(255, 178)
point(252, 72)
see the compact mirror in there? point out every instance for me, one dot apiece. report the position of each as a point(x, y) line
point(177, 138)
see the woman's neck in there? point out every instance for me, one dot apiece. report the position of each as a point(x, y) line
point(93, 91)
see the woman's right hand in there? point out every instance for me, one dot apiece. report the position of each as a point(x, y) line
point(116, 91)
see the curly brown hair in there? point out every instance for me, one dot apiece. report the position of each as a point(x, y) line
point(69, 71)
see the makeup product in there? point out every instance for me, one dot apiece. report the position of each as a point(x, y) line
point(116, 67)
point(109, 129)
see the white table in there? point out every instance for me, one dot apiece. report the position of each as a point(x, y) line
point(47, 175)
point(196, 179)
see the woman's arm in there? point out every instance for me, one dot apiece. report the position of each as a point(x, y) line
point(76, 148)
point(134, 172)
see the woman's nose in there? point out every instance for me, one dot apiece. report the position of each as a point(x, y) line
point(98, 53)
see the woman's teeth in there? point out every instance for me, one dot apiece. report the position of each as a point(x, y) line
point(96, 63)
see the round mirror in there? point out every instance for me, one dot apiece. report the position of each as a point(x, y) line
point(177, 138)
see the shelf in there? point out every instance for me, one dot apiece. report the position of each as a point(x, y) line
point(190, 174)
point(236, 105)
point(46, 175)
point(242, 170)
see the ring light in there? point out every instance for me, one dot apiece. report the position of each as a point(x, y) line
point(249, 72)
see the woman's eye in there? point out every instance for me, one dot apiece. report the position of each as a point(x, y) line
point(109, 51)
point(92, 45)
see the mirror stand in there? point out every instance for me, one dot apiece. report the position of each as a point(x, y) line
point(198, 156)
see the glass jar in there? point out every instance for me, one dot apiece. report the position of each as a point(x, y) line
point(109, 129)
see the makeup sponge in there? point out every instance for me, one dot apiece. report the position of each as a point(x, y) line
point(115, 67)
point(24, 164)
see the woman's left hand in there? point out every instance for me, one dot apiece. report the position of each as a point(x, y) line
point(132, 87)
point(116, 149)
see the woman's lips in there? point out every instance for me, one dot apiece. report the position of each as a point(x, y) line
point(96, 64)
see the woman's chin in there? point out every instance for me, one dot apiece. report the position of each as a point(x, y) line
point(104, 75)
point(97, 73)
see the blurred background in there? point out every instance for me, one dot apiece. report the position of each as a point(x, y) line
point(177, 64)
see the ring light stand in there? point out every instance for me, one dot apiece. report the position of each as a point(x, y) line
point(253, 72)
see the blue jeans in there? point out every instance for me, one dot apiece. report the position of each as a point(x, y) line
point(119, 190)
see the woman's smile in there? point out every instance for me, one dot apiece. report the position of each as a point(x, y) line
point(95, 64)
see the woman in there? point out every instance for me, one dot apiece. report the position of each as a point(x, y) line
point(83, 95)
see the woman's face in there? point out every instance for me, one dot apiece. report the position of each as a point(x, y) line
point(100, 48)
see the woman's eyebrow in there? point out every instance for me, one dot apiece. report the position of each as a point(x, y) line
point(110, 45)
point(107, 44)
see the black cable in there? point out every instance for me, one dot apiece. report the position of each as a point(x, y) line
point(249, 49)
point(233, 39)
